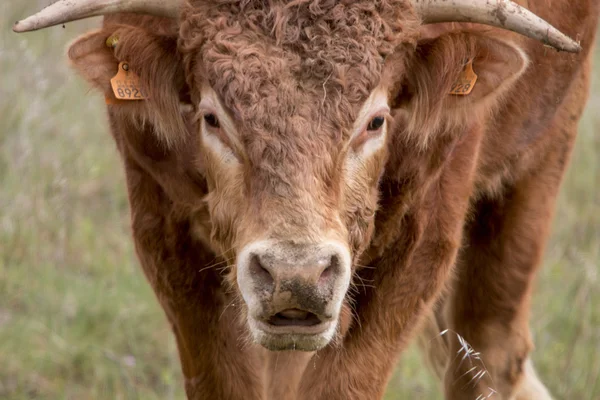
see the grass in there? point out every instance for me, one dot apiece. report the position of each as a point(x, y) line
point(79, 321)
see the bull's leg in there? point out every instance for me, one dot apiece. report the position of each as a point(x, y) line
point(217, 362)
point(489, 306)
point(435, 344)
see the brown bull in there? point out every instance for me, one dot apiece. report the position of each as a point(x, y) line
point(305, 188)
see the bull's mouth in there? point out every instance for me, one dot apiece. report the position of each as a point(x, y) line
point(293, 329)
point(294, 321)
point(294, 317)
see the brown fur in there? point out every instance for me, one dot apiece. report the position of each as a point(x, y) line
point(460, 199)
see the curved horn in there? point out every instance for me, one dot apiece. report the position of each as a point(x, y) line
point(64, 11)
point(499, 13)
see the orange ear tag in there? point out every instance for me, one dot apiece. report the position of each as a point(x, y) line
point(466, 81)
point(126, 84)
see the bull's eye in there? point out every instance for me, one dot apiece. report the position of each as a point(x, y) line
point(375, 124)
point(211, 120)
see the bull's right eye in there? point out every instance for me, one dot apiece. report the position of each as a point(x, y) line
point(211, 120)
point(376, 123)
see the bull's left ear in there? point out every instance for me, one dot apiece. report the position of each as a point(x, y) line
point(440, 90)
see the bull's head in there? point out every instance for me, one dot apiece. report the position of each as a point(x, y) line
point(296, 105)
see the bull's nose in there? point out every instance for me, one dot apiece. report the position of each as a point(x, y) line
point(269, 271)
point(294, 292)
point(274, 276)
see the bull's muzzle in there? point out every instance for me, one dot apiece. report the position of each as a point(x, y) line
point(294, 292)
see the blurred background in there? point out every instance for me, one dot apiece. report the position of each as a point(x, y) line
point(79, 321)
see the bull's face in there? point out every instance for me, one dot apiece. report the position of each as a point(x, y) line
point(294, 144)
point(293, 203)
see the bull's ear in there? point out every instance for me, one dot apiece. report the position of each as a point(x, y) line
point(94, 60)
point(153, 58)
point(439, 91)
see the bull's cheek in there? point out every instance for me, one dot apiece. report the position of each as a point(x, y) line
point(223, 218)
point(360, 231)
point(345, 319)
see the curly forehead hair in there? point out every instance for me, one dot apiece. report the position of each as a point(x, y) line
point(277, 58)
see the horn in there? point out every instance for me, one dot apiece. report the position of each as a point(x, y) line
point(499, 13)
point(64, 11)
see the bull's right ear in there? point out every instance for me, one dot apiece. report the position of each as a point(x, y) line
point(154, 58)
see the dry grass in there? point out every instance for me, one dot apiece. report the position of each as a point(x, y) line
point(77, 318)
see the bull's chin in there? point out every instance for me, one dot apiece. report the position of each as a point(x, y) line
point(300, 338)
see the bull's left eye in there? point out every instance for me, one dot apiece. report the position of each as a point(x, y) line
point(375, 124)
point(211, 120)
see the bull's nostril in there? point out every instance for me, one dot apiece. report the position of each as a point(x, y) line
point(331, 268)
point(260, 273)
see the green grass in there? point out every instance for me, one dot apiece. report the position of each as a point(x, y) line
point(79, 321)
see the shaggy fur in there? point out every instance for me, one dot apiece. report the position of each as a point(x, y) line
point(460, 198)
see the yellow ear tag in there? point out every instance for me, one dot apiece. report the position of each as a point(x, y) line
point(126, 84)
point(466, 81)
point(112, 41)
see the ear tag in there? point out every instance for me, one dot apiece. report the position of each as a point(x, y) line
point(466, 81)
point(126, 84)
point(112, 41)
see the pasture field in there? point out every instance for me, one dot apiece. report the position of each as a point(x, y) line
point(79, 321)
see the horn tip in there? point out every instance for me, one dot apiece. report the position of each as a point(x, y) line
point(571, 47)
point(18, 27)
point(23, 26)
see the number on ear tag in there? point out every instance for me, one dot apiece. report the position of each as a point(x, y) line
point(466, 81)
point(126, 84)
